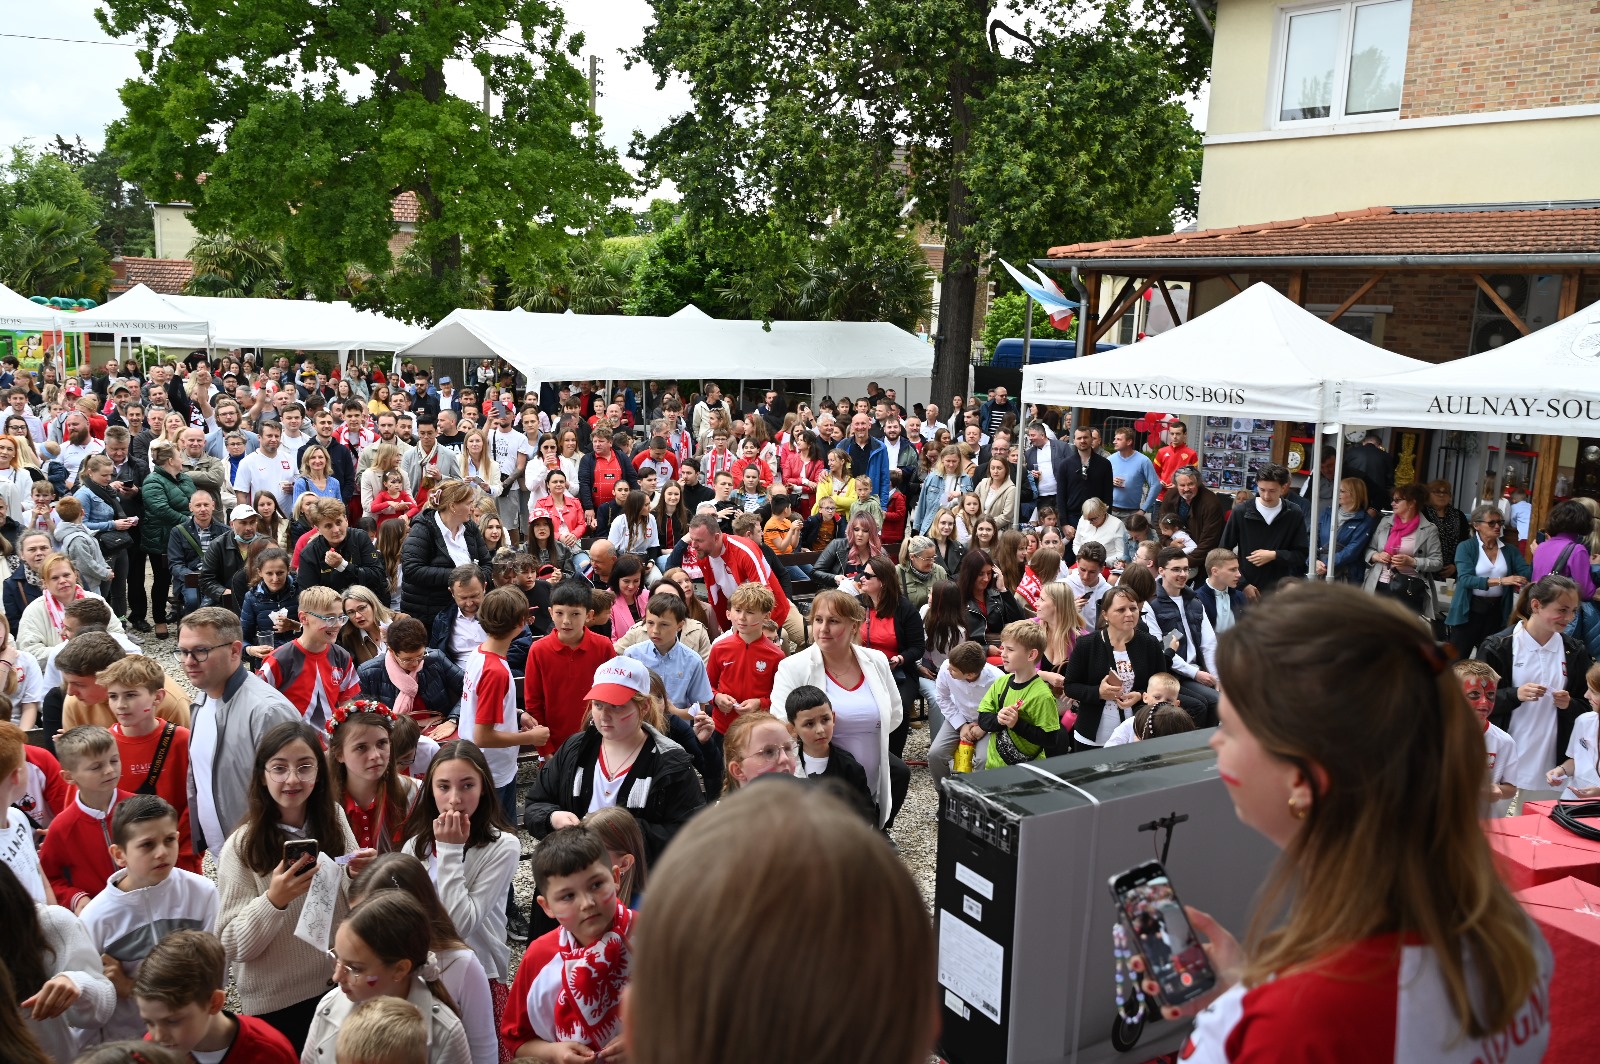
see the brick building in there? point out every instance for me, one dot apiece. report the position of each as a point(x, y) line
point(1419, 172)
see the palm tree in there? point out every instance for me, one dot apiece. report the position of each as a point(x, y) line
point(234, 267)
point(594, 277)
point(47, 251)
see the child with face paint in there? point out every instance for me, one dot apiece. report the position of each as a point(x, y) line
point(1478, 682)
point(1580, 772)
point(381, 950)
point(458, 830)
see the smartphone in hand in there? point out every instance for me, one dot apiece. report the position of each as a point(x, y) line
point(1160, 930)
point(294, 849)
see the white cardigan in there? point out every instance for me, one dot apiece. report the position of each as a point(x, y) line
point(35, 635)
point(472, 884)
point(74, 956)
point(447, 1040)
point(803, 668)
point(463, 977)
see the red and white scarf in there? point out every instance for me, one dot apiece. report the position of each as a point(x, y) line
point(588, 1006)
point(57, 613)
point(1028, 588)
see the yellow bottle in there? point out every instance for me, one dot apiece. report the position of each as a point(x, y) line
point(963, 758)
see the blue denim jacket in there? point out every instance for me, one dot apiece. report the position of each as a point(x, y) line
point(97, 513)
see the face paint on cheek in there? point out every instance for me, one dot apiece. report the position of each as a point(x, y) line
point(1232, 781)
point(372, 980)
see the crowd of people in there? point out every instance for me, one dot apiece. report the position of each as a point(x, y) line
point(398, 595)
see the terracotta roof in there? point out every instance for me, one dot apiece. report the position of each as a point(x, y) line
point(406, 207)
point(1378, 232)
point(167, 276)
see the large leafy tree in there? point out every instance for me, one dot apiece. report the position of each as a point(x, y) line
point(1004, 126)
point(126, 224)
point(300, 121)
point(226, 265)
point(48, 234)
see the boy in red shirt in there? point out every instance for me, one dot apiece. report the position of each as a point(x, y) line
point(76, 855)
point(179, 993)
point(566, 1002)
point(561, 666)
point(312, 672)
point(1175, 455)
point(487, 701)
point(744, 662)
point(154, 752)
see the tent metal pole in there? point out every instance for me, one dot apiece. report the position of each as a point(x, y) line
point(1338, 464)
point(1316, 499)
point(1027, 344)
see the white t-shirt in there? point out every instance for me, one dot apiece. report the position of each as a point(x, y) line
point(1114, 714)
point(1533, 724)
point(1584, 749)
point(202, 757)
point(1122, 735)
point(1502, 754)
point(258, 473)
point(1268, 514)
point(1489, 569)
point(1046, 485)
point(17, 852)
point(856, 723)
point(72, 456)
point(504, 448)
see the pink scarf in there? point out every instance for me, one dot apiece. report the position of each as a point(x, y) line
point(405, 685)
point(1400, 530)
point(592, 978)
point(55, 612)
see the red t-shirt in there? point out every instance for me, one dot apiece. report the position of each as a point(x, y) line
point(879, 633)
point(607, 471)
point(256, 1042)
point(742, 671)
point(1171, 459)
point(172, 785)
point(557, 678)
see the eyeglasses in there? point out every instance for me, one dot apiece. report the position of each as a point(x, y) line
point(769, 755)
point(1492, 523)
point(304, 773)
point(336, 619)
point(353, 969)
point(199, 654)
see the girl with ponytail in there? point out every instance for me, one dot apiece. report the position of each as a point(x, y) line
point(382, 950)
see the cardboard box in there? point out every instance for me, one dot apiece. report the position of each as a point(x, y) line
point(1533, 849)
point(1568, 913)
point(1538, 808)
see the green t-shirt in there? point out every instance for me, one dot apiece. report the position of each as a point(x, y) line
point(1037, 714)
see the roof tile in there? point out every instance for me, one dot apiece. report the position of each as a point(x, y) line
point(166, 276)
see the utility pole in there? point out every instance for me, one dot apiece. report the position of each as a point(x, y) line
point(594, 84)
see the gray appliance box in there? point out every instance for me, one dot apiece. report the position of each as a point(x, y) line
point(1023, 908)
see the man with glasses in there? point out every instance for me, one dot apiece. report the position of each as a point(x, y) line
point(313, 672)
point(236, 709)
point(1179, 620)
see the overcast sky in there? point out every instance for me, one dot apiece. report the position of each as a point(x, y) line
point(71, 88)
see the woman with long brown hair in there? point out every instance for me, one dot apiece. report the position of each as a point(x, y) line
point(1379, 936)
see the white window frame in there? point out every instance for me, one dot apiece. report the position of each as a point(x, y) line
point(1341, 73)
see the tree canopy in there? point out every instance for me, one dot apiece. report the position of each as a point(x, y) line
point(48, 234)
point(875, 114)
point(298, 122)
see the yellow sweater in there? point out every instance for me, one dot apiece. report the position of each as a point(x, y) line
point(174, 706)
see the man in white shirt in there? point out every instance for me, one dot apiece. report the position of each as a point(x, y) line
point(76, 445)
point(466, 631)
point(269, 468)
point(511, 450)
point(1179, 621)
point(293, 418)
point(930, 422)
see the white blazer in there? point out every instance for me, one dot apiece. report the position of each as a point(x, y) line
point(803, 668)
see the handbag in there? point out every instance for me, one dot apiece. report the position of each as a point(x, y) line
point(1408, 589)
point(113, 539)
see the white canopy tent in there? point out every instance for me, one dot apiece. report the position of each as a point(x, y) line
point(1545, 383)
point(20, 314)
point(1257, 355)
point(141, 312)
point(621, 347)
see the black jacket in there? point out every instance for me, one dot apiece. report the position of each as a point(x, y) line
point(1092, 657)
point(567, 782)
point(1247, 532)
point(949, 556)
point(998, 611)
point(834, 562)
point(1208, 598)
point(438, 684)
point(586, 477)
point(18, 595)
point(1076, 485)
point(848, 780)
point(363, 565)
point(223, 562)
point(427, 565)
point(1497, 652)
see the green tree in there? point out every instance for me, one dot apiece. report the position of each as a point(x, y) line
point(594, 277)
point(300, 121)
point(809, 112)
point(44, 250)
point(674, 272)
point(127, 225)
point(225, 265)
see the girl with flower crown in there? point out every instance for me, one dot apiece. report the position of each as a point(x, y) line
point(365, 778)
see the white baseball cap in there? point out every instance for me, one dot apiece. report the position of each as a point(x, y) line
point(619, 680)
point(242, 511)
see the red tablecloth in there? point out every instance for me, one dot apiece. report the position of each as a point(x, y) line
point(1568, 912)
point(1538, 808)
point(1535, 849)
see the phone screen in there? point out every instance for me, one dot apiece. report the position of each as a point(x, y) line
point(294, 849)
point(1162, 934)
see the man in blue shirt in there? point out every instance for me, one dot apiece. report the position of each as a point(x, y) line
point(682, 671)
point(1134, 483)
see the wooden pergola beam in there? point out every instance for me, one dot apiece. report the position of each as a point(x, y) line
point(1166, 297)
point(1355, 297)
point(1119, 309)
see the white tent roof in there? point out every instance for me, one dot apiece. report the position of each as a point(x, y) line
point(1257, 355)
point(141, 312)
point(21, 314)
point(619, 347)
point(1547, 382)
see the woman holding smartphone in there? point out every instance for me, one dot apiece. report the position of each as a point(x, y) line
point(1385, 903)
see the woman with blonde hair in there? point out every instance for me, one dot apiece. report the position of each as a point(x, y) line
point(366, 619)
point(1057, 610)
point(442, 537)
point(1342, 943)
point(16, 483)
point(170, 431)
point(861, 688)
point(385, 458)
point(837, 484)
point(478, 466)
point(692, 998)
point(316, 473)
point(27, 450)
point(42, 621)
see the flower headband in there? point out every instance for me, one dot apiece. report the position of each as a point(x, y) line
point(341, 713)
